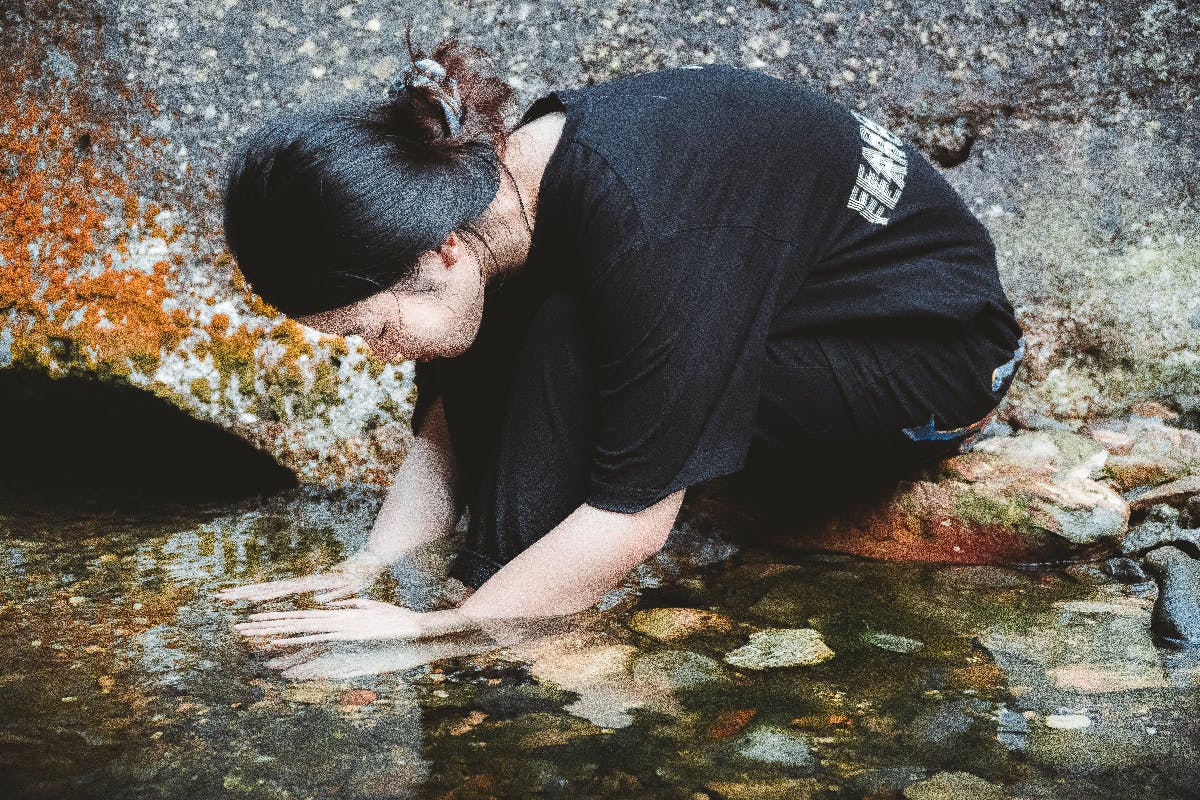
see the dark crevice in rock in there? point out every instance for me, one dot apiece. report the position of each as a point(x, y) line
point(120, 445)
point(952, 157)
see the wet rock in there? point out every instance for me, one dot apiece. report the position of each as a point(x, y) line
point(1149, 535)
point(892, 642)
point(954, 786)
point(779, 746)
point(1068, 722)
point(597, 668)
point(1176, 619)
point(1130, 471)
point(782, 789)
point(1175, 493)
point(780, 647)
point(671, 624)
point(1091, 647)
point(1125, 570)
point(549, 730)
point(1014, 499)
point(1146, 452)
point(676, 669)
point(357, 697)
point(730, 722)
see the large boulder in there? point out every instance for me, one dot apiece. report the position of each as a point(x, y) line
point(1031, 497)
point(1064, 127)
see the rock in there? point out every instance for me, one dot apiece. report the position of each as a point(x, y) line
point(890, 641)
point(730, 722)
point(1150, 408)
point(1115, 442)
point(1155, 453)
point(1125, 570)
point(597, 668)
point(780, 647)
point(309, 692)
point(1149, 535)
point(1174, 493)
point(1130, 471)
point(1068, 722)
point(676, 669)
point(1092, 647)
point(671, 624)
point(357, 697)
point(541, 729)
point(782, 789)
point(954, 786)
point(780, 746)
point(1022, 498)
point(1176, 619)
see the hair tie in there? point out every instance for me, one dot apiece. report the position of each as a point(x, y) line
point(427, 72)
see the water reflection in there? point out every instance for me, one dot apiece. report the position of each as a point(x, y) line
point(121, 675)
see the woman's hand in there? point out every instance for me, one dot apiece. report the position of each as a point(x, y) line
point(349, 577)
point(352, 621)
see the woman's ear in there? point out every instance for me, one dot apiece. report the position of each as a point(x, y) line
point(450, 250)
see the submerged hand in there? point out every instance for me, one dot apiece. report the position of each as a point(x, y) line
point(351, 621)
point(346, 578)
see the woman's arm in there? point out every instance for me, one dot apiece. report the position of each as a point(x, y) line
point(420, 506)
point(564, 572)
point(574, 565)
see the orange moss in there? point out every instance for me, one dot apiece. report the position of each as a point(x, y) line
point(53, 214)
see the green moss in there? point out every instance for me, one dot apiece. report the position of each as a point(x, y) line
point(1011, 512)
point(202, 390)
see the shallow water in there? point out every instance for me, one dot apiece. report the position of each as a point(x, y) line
point(122, 676)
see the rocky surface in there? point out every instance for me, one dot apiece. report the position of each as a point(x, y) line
point(1063, 125)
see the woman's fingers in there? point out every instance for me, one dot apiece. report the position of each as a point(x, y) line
point(289, 626)
point(309, 614)
point(355, 602)
point(298, 640)
point(270, 590)
point(335, 594)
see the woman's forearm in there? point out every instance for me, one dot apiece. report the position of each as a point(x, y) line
point(420, 505)
point(573, 566)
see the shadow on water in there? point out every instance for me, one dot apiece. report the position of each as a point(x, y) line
point(121, 675)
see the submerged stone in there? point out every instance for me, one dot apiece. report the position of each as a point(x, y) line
point(670, 624)
point(772, 745)
point(780, 647)
point(954, 786)
point(782, 789)
point(676, 669)
point(1068, 722)
point(892, 642)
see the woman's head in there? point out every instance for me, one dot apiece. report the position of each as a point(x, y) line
point(364, 205)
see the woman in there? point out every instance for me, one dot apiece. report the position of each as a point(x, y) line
point(647, 284)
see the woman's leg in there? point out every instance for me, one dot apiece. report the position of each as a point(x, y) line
point(843, 415)
point(519, 410)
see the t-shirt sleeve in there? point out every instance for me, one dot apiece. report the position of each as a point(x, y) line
point(679, 328)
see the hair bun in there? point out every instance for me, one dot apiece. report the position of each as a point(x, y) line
point(446, 97)
point(427, 74)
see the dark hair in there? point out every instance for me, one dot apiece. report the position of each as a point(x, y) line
point(334, 203)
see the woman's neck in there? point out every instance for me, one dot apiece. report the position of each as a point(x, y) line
point(509, 220)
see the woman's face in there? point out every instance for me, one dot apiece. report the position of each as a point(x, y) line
point(437, 314)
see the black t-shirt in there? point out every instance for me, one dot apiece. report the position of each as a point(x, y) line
point(699, 211)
